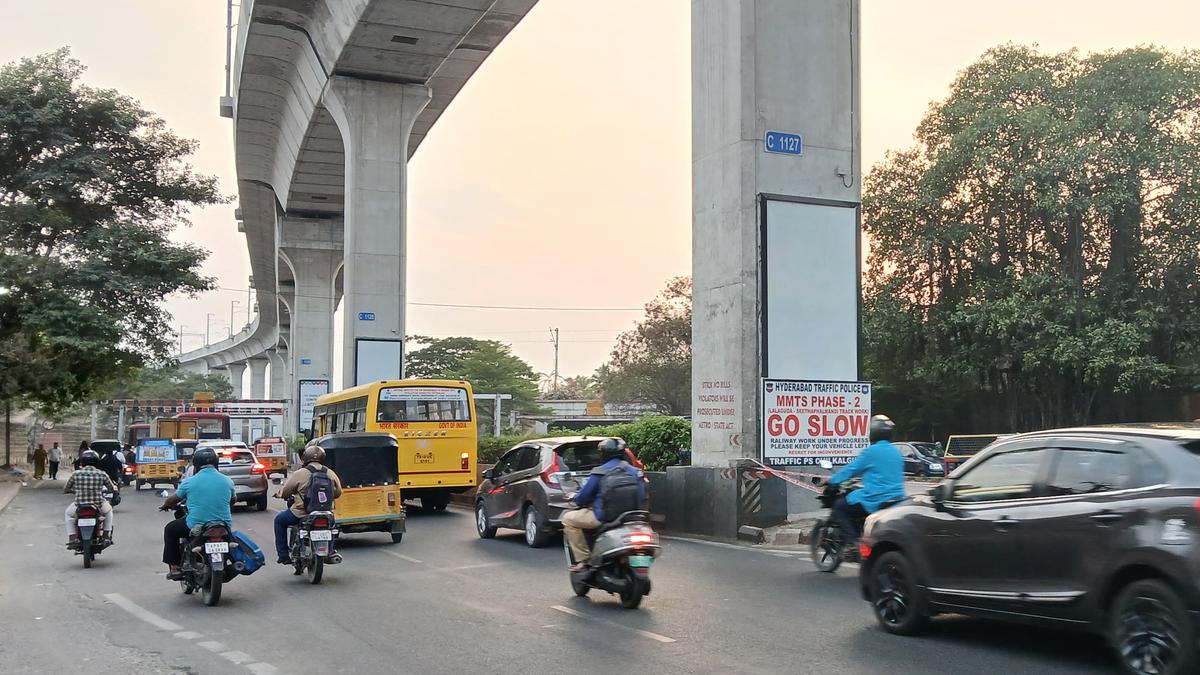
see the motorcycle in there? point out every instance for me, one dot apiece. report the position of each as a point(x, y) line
point(826, 544)
point(622, 552)
point(89, 531)
point(207, 565)
point(310, 544)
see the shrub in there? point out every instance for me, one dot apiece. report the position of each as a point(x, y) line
point(659, 441)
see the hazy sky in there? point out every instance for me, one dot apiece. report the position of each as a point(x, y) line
point(561, 175)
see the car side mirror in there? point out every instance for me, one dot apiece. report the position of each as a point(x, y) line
point(939, 493)
point(489, 474)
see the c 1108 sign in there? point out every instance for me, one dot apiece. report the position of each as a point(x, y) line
point(783, 143)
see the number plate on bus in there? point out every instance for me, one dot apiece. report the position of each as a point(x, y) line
point(320, 535)
point(641, 560)
point(216, 547)
point(87, 522)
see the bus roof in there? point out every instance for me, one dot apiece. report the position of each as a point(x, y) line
point(371, 387)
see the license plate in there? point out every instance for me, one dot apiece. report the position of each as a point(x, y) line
point(641, 560)
point(320, 535)
point(87, 522)
point(216, 547)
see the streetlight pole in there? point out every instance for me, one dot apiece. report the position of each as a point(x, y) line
point(208, 330)
point(232, 304)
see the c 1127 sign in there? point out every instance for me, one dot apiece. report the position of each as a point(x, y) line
point(783, 143)
point(804, 422)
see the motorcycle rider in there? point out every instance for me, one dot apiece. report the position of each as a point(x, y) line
point(111, 465)
point(209, 494)
point(89, 483)
point(590, 501)
point(295, 488)
point(882, 469)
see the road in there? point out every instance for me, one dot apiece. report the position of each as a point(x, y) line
point(444, 601)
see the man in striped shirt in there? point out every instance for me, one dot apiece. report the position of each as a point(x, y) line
point(89, 484)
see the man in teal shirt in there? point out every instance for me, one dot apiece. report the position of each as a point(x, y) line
point(882, 471)
point(209, 495)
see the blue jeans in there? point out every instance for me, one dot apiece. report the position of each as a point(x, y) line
point(283, 520)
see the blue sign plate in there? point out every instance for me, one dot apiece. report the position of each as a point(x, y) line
point(366, 316)
point(306, 362)
point(783, 143)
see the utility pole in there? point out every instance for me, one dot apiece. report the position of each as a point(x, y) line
point(232, 304)
point(181, 339)
point(554, 339)
point(208, 330)
point(7, 433)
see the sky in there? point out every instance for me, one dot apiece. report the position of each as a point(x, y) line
point(561, 174)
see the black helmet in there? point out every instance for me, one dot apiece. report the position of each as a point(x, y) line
point(313, 453)
point(204, 457)
point(89, 458)
point(882, 428)
point(612, 448)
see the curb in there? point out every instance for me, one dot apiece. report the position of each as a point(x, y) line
point(7, 495)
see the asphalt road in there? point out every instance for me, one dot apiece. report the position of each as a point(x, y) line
point(444, 601)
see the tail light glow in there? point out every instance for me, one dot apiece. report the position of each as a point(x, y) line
point(258, 467)
point(641, 538)
point(864, 549)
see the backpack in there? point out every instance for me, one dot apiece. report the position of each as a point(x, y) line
point(619, 492)
point(319, 494)
point(247, 552)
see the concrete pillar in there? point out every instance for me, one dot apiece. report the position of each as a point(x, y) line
point(281, 379)
point(311, 341)
point(375, 119)
point(258, 390)
point(235, 377)
point(759, 66)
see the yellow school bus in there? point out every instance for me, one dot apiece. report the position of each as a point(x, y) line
point(433, 422)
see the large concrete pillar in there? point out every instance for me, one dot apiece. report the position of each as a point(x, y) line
point(258, 391)
point(313, 251)
point(375, 119)
point(235, 377)
point(762, 66)
point(281, 379)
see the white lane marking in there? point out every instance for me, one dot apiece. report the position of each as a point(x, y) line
point(472, 567)
point(212, 646)
point(261, 668)
point(142, 613)
point(614, 624)
point(188, 635)
point(237, 657)
point(403, 557)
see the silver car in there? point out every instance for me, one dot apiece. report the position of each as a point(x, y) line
point(249, 475)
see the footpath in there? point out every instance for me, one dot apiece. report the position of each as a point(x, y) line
point(11, 481)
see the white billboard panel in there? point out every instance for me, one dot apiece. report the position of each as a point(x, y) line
point(310, 391)
point(377, 360)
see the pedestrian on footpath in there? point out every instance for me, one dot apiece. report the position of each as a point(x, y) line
point(55, 456)
point(39, 462)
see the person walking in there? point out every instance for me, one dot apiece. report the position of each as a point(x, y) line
point(39, 462)
point(55, 457)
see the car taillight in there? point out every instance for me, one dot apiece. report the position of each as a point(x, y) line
point(466, 461)
point(548, 476)
point(320, 521)
point(129, 469)
point(259, 467)
point(864, 550)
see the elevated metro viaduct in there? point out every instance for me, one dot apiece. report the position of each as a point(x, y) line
point(331, 97)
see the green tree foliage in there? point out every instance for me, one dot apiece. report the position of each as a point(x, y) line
point(91, 187)
point(578, 388)
point(1035, 259)
point(489, 366)
point(169, 382)
point(658, 441)
point(653, 362)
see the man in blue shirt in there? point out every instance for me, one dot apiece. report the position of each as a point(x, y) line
point(612, 451)
point(209, 495)
point(882, 469)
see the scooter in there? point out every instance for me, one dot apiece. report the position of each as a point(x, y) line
point(89, 532)
point(622, 553)
point(311, 545)
point(207, 564)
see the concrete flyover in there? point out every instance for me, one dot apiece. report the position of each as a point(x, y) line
point(331, 98)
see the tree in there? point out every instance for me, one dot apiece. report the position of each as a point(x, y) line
point(1035, 257)
point(169, 382)
point(653, 362)
point(488, 365)
point(578, 388)
point(91, 187)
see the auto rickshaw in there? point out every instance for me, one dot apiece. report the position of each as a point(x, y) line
point(184, 449)
point(157, 462)
point(272, 452)
point(368, 466)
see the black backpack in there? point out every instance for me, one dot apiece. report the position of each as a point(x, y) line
point(619, 492)
point(319, 494)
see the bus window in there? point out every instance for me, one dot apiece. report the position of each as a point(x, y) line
point(423, 404)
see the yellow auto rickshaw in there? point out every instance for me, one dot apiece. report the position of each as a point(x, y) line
point(368, 466)
point(157, 462)
point(272, 452)
point(184, 449)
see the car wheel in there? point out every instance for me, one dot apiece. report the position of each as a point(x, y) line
point(896, 598)
point(535, 530)
point(260, 504)
point(482, 526)
point(1151, 630)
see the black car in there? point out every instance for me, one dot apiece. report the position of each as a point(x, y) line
point(916, 462)
point(1095, 528)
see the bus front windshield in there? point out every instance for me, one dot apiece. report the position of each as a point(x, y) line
point(423, 404)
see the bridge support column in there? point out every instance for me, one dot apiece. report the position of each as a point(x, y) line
point(762, 66)
point(235, 371)
point(258, 391)
point(281, 378)
point(375, 119)
point(311, 341)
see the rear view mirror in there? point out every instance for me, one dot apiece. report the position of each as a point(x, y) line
point(489, 474)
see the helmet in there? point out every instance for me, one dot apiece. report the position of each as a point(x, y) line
point(204, 457)
point(612, 448)
point(313, 453)
point(89, 458)
point(882, 428)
